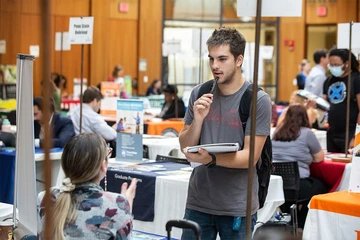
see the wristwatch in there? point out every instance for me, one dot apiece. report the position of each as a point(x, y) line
point(213, 161)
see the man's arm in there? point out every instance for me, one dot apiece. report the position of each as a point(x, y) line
point(190, 134)
point(65, 133)
point(100, 126)
point(239, 159)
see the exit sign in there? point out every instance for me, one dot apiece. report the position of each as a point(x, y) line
point(123, 7)
point(321, 11)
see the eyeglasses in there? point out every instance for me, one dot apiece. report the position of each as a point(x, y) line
point(330, 66)
point(109, 152)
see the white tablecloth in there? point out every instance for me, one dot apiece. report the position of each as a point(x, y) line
point(170, 199)
point(345, 180)
point(56, 170)
point(162, 146)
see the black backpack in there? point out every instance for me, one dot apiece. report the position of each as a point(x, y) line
point(264, 165)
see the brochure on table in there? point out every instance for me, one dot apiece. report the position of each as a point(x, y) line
point(354, 185)
point(130, 127)
point(111, 92)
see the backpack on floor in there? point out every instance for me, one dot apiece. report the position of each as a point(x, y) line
point(264, 165)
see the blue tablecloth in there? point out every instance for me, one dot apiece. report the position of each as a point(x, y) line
point(7, 172)
point(143, 207)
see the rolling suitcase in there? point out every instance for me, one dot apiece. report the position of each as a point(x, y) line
point(184, 224)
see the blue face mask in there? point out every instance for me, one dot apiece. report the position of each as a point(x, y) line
point(336, 71)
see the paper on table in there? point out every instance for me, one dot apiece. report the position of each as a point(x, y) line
point(354, 185)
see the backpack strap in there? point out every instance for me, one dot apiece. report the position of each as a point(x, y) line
point(244, 107)
point(205, 88)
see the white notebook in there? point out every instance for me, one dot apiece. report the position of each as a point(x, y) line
point(216, 148)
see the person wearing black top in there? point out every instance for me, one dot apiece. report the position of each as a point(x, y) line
point(335, 91)
point(155, 88)
point(168, 109)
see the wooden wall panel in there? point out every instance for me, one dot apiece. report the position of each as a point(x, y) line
point(100, 49)
point(12, 6)
point(71, 8)
point(123, 42)
point(31, 6)
point(150, 39)
point(290, 29)
point(30, 34)
point(133, 12)
point(337, 12)
point(11, 34)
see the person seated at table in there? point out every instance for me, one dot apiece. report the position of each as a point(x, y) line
point(155, 88)
point(61, 126)
point(168, 108)
point(311, 112)
point(293, 140)
point(120, 126)
point(91, 120)
point(81, 208)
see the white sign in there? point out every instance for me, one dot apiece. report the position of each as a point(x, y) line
point(270, 8)
point(2, 46)
point(343, 37)
point(354, 184)
point(266, 52)
point(81, 30)
point(77, 87)
point(35, 50)
point(65, 41)
point(171, 47)
point(142, 65)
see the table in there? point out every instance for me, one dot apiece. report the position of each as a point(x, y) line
point(160, 145)
point(165, 128)
point(329, 172)
point(170, 199)
point(333, 216)
point(7, 172)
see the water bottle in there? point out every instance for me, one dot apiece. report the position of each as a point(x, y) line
point(6, 125)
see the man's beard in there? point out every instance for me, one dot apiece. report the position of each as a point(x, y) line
point(229, 78)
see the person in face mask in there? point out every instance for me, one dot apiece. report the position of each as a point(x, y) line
point(335, 90)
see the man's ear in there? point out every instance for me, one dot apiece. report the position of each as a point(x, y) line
point(239, 60)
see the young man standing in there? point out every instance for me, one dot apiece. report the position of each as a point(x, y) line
point(217, 192)
point(317, 76)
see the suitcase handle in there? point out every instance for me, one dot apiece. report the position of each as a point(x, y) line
point(184, 224)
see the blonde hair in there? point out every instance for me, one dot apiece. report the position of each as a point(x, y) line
point(81, 161)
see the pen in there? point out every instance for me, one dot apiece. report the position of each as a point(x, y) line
point(213, 85)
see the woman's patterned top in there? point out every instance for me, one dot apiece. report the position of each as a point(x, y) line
point(100, 215)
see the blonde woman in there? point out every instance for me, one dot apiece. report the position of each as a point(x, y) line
point(295, 99)
point(82, 209)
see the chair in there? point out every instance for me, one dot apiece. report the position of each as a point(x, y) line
point(145, 152)
point(171, 159)
point(289, 171)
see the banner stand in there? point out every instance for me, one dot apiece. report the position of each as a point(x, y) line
point(25, 186)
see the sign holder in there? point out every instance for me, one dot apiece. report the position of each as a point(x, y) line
point(251, 167)
point(248, 8)
point(81, 84)
point(349, 91)
point(81, 33)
